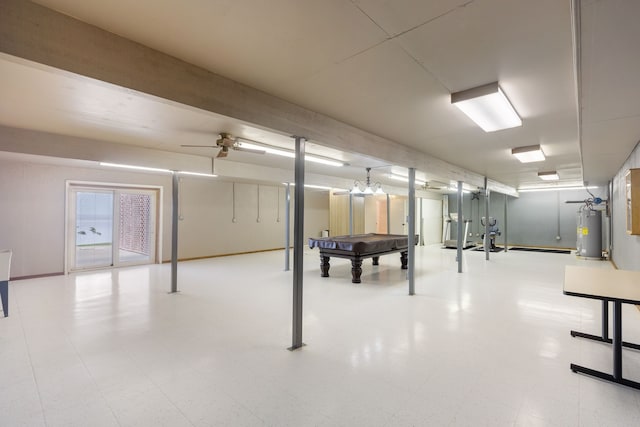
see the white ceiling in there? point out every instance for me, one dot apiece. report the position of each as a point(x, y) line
point(385, 67)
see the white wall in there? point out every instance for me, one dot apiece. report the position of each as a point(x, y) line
point(33, 214)
point(431, 212)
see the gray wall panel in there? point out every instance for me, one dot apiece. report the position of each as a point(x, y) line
point(534, 219)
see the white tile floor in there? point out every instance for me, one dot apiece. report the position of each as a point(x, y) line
point(488, 347)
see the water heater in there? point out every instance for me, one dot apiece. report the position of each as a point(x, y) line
point(589, 242)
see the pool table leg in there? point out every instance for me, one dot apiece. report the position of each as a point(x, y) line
point(375, 260)
point(403, 259)
point(324, 266)
point(356, 270)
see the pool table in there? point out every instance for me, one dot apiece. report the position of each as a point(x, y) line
point(358, 247)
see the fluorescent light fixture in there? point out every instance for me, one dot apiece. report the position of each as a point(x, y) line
point(322, 160)
point(406, 179)
point(290, 154)
point(488, 107)
point(208, 175)
point(148, 169)
point(455, 189)
point(142, 168)
point(319, 187)
point(528, 154)
point(554, 188)
point(266, 149)
point(549, 176)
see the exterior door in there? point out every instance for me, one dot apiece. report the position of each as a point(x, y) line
point(110, 227)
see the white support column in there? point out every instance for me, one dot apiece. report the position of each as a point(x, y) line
point(298, 244)
point(411, 252)
point(487, 238)
point(421, 224)
point(174, 232)
point(350, 214)
point(287, 225)
point(506, 246)
point(388, 214)
point(461, 238)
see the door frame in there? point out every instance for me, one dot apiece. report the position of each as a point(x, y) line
point(114, 186)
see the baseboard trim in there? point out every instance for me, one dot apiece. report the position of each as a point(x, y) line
point(37, 276)
point(223, 255)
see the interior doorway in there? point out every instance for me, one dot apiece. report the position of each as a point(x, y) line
point(398, 215)
point(111, 226)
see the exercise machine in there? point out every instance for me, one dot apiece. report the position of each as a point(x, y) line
point(449, 243)
point(494, 231)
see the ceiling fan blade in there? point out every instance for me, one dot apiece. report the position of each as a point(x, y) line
point(201, 146)
point(249, 150)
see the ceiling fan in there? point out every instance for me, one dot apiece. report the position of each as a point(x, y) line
point(225, 142)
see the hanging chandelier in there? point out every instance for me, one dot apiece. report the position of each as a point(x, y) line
point(368, 187)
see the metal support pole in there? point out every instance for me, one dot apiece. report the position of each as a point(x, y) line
point(421, 224)
point(287, 225)
point(506, 246)
point(610, 214)
point(487, 238)
point(174, 234)
point(388, 214)
point(350, 214)
point(412, 231)
point(461, 238)
point(298, 244)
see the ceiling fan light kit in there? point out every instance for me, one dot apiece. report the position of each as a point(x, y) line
point(488, 107)
point(528, 154)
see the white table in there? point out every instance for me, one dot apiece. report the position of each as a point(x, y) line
point(618, 286)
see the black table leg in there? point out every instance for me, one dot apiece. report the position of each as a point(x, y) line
point(324, 266)
point(617, 354)
point(617, 340)
point(605, 330)
point(375, 260)
point(356, 270)
point(605, 320)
